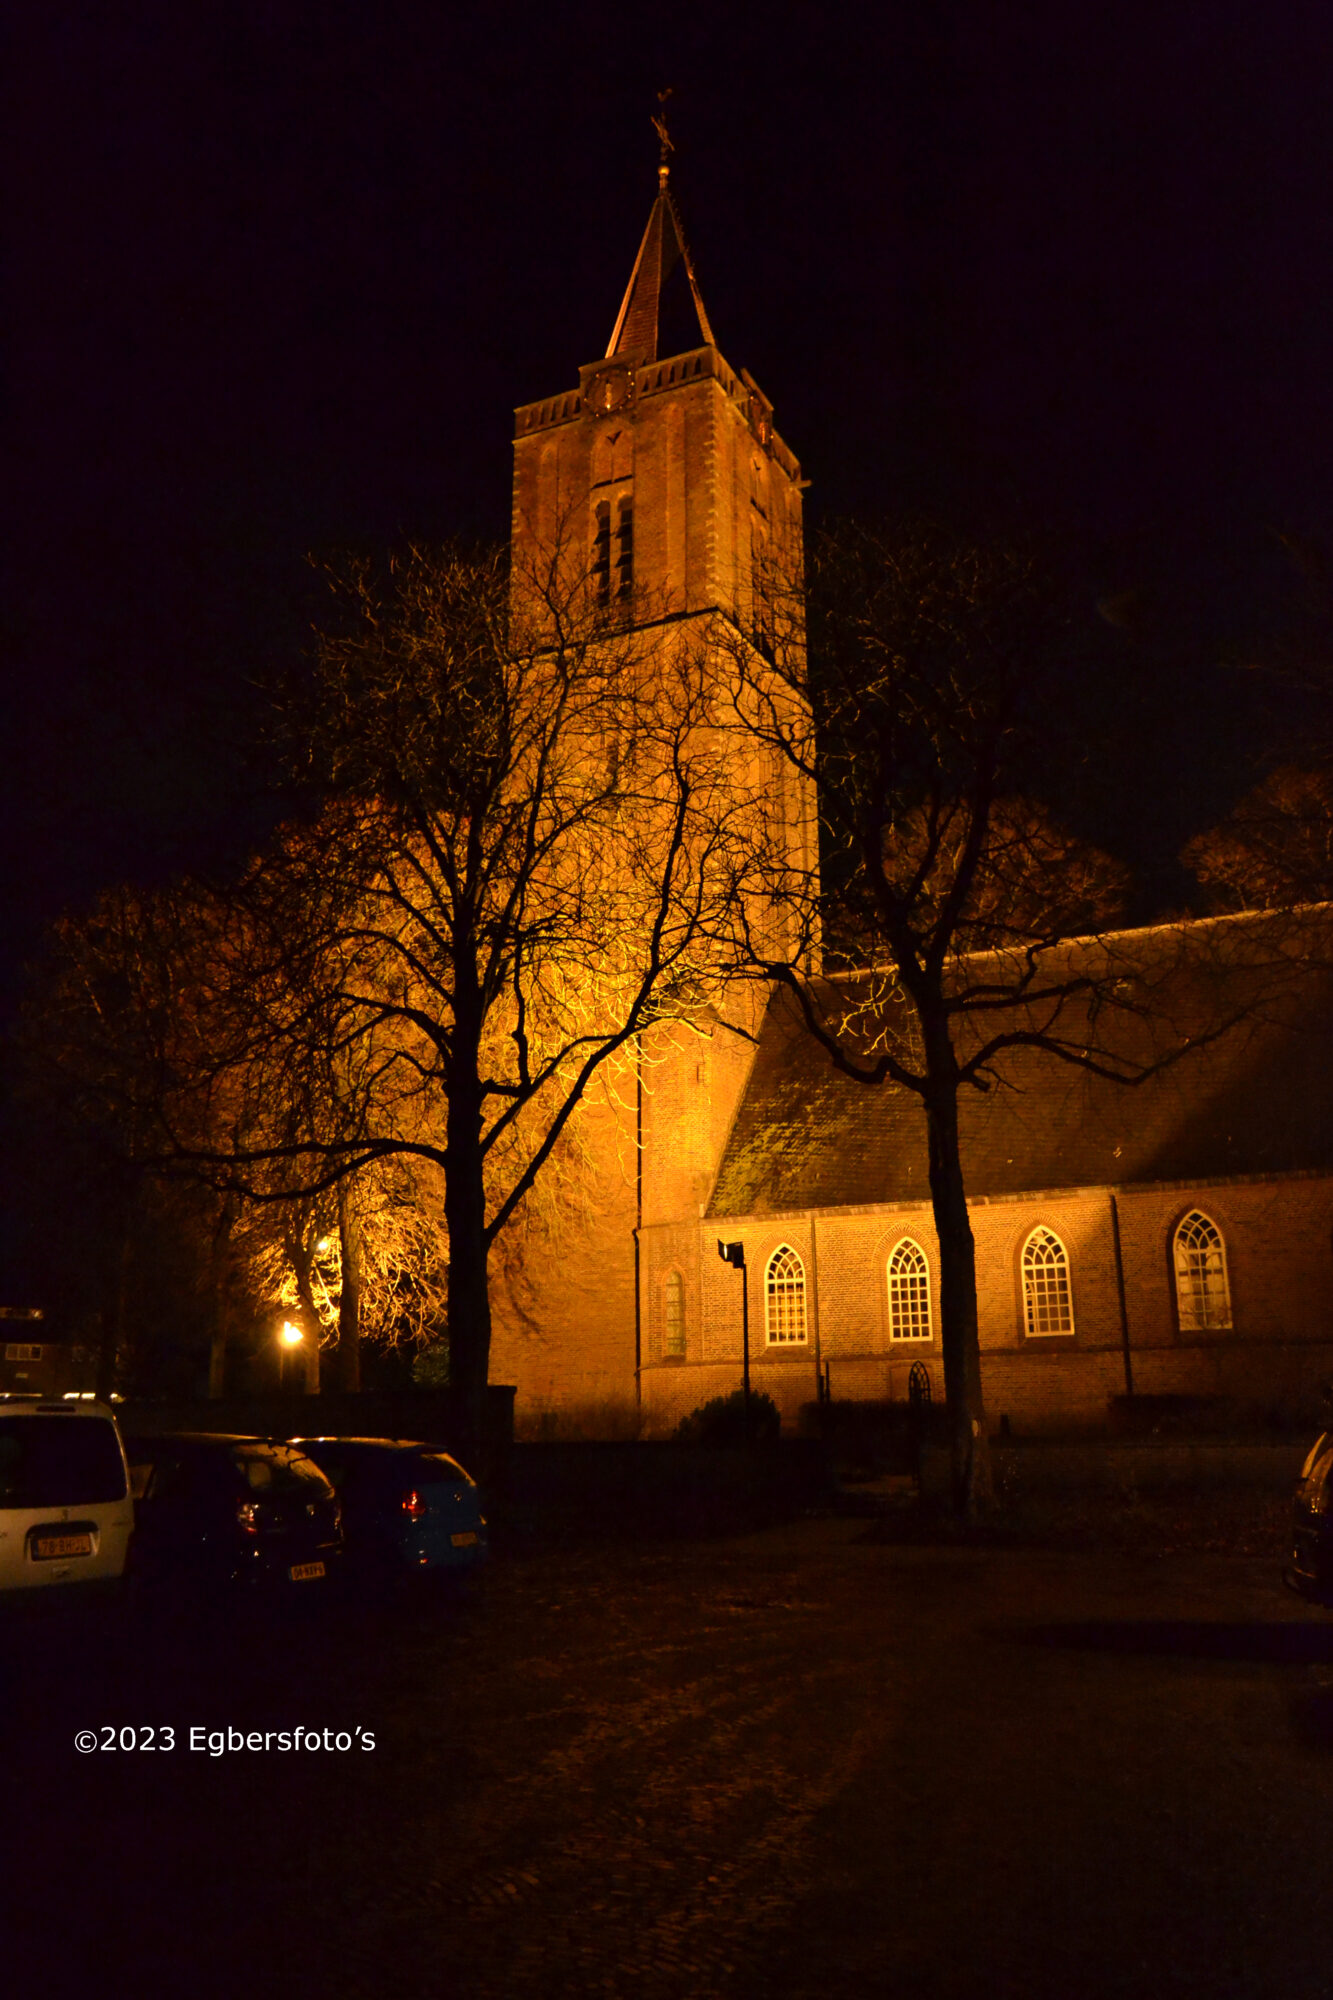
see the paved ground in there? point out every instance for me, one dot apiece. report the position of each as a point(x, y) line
point(802, 1763)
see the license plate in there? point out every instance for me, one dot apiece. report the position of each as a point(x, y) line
point(46, 1547)
point(300, 1571)
point(467, 1540)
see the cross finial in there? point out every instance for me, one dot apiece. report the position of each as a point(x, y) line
point(664, 139)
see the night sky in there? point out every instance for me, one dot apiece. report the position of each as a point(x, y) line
point(278, 275)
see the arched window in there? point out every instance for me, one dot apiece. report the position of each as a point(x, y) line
point(673, 1330)
point(784, 1302)
point(1047, 1304)
point(909, 1292)
point(1203, 1295)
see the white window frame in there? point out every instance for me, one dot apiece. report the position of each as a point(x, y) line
point(1041, 1302)
point(1203, 1283)
point(908, 1278)
point(784, 1298)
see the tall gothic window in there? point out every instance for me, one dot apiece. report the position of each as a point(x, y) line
point(1203, 1295)
point(673, 1330)
point(784, 1298)
point(909, 1292)
point(1048, 1305)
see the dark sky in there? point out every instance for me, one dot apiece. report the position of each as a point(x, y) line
point(278, 274)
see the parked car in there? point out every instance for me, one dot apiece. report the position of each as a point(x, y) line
point(65, 1508)
point(1310, 1570)
point(408, 1507)
point(213, 1513)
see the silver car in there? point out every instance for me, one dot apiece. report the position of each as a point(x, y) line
point(66, 1515)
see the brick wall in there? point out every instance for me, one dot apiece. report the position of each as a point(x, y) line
point(562, 1303)
point(1277, 1353)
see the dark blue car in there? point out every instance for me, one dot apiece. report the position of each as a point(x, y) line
point(216, 1512)
point(407, 1508)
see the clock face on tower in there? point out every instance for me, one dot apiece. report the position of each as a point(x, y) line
point(610, 389)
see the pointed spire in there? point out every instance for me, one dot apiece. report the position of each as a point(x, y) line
point(638, 326)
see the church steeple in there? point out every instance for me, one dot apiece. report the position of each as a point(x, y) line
point(639, 329)
point(639, 325)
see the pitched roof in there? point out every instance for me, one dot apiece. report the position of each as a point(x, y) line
point(652, 309)
point(1256, 1100)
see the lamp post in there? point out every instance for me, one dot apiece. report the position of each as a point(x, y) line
point(734, 1254)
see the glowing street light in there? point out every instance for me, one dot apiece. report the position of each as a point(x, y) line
point(290, 1337)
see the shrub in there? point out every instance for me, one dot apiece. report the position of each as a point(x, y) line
point(430, 1366)
point(722, 1421)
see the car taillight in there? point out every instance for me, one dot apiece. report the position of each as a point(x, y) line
point(413, 1506)
point(247, 1516)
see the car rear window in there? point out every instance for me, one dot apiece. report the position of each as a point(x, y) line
point(276, 1471)
point(436, 1468)
point(59, 1462)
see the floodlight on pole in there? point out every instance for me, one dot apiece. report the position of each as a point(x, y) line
point(734, 1254)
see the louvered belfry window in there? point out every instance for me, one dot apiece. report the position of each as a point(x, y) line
point(1047, 1301)
point(1203, 1295)
point(625, 546)
point(784, 1300)
point(601, 551)
point(909, 1293)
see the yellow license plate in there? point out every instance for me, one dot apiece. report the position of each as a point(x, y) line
point(46, 1547)
point(300, 1571)
point(467, 1540)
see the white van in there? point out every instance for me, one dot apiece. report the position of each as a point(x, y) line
point(65, 1509)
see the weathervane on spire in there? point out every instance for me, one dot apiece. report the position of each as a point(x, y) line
point(666, 145)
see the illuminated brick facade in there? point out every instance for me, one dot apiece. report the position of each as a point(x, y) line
point(666, 469)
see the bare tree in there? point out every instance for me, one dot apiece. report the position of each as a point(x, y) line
point(527, 827)
point(920, 721)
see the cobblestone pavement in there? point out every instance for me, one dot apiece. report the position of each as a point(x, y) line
point(800, 1763)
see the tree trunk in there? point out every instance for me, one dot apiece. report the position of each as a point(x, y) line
point(469, 1295)
point(217, 1351)
point(219, 1279)
point(302, 1256)
point(348, 1371)
point(114, 1297)
point(969, 1445)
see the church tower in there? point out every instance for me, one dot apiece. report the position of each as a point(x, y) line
point(661, 479)
point(664, 463)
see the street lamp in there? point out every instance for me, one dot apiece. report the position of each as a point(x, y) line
point(734, 1254)
point(290, 1336)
